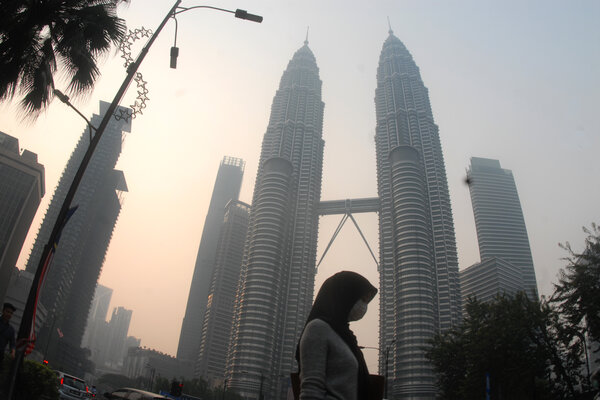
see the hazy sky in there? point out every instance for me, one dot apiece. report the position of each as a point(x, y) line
point(511, 80)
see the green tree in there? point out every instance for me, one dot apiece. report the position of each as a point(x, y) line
point(36, 382)
point(161, 383)
point(577, 294)
point(512, 342)
point(197, 387)
point(37, 38)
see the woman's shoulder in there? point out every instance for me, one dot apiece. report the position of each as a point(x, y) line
point(318, 326)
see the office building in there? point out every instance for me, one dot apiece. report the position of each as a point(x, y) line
point(152, 364)
point(278, 270)
point(489, 278)
point(419, 281)
point(227, 187)
point(71, 279)
point(97, 314)
point(17, 293)
point(501, 231)
point(218, 319)
point(21, 190)
point(118, 327)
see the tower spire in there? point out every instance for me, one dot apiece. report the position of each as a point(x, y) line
point(391, 32)
point(306, 40)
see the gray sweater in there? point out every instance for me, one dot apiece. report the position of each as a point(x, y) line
point(329, 369)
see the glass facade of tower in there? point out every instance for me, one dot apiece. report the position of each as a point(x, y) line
point(277, 276)
point(501, 231)
point(419, 283)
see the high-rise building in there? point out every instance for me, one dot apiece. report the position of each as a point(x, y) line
point(97, 314)
point(118, 327)
point(227, 187)
point(489, 278)
point(94, 240)
point(21, 190)
point(18, 290)
point(69, 285)
point(419, 282)
point(216, 328)
point(501, 231)
point(278, 270)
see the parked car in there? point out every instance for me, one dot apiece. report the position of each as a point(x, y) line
point(134, 394)
point(71, 387)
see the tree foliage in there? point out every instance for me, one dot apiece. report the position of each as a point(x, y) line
point(501, 342)
point(34, 382)
point(39, 38)
point(577, 294)
point(527, 349)
point(115, 381)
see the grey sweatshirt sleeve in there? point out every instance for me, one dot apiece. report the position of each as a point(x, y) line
point(313, 360)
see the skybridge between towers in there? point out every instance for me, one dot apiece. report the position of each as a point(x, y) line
point(347, 208)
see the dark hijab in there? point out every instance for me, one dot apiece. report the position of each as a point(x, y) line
point(333, 303)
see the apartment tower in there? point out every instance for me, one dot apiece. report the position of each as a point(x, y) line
point(71, 279)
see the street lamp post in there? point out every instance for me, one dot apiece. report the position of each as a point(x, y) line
point(224, 387)
point(24, 337)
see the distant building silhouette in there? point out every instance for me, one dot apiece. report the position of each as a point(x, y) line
point(499, 220)
point(218, 319)
point(151, 364)
point(227, 187)
point(76, 265)
point(118, 327)
point(96, 318)
point(21, 190)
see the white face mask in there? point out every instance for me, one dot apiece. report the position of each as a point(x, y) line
point(358, 310)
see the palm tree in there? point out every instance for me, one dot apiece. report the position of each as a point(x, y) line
point(39, 38)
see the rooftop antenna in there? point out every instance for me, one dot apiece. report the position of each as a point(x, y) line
point(391, 32)
point(306, 41)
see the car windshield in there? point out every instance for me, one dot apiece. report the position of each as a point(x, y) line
point(74, 382)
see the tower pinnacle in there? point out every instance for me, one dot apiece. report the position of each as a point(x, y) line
point(306, 40)
point(391, 32)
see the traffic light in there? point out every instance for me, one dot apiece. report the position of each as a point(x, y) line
point(176, 388)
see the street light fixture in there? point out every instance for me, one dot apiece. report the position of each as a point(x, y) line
point(65, 99)
point(25, 336)
point(241, 14)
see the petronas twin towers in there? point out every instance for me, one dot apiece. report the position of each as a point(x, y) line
point(418, 265)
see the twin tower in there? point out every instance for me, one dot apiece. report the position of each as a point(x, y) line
point(418, 266)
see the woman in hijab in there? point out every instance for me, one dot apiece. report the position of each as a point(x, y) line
point(331, 364)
